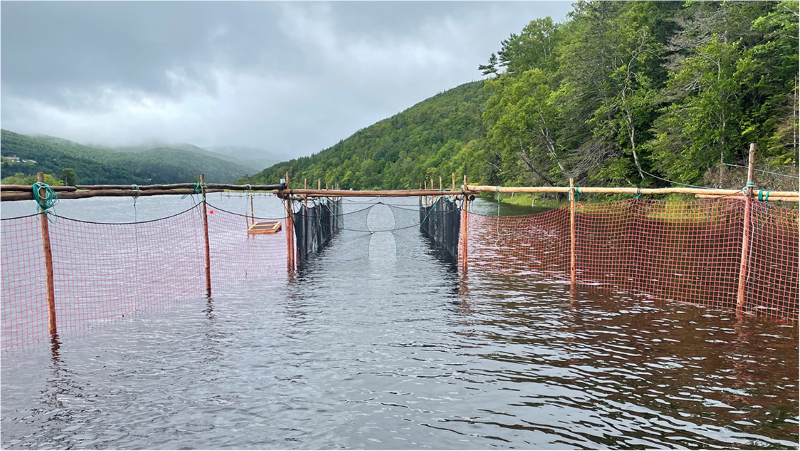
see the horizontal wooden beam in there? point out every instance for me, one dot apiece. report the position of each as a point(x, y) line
point(771, 197)
point(608, 190)
point(30, 188)
point(386, 193)
point(13, 196)
point(181, 185)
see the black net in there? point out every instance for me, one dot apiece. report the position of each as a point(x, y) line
point(318, 222)
point(441, 222)
point(350, 226)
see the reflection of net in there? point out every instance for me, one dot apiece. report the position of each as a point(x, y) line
point(674, 250)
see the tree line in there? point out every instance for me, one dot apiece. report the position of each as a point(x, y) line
point(619, 94)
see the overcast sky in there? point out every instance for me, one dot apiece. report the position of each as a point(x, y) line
point(291, 78)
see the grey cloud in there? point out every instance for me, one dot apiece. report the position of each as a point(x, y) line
point(289, 77)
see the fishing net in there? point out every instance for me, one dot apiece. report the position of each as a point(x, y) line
point(686, 251)
point(415, 230)
point(238, 256)
point(105, 271)
point(439, 225)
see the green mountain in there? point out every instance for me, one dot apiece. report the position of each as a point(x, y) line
point(439, 136)
point(102, 166)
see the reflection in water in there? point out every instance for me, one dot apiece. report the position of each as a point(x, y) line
point(392, 352)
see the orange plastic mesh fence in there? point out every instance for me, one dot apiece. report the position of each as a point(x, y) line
point(237, 256)
point(536, 245)
point(772, 278)
point(24, 293)
point(105, 271)
point(686, 251)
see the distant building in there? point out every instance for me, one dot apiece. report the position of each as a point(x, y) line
point(29, 161)
point(13, 158)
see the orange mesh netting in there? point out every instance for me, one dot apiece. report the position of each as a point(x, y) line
point(687, 251)
point(104, 271)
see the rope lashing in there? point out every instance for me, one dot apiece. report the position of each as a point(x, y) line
point(638, 193)
point(577, 194)
point(747, 185)
point(50, 197)
point(197, 187)
point(765, 197)
point(136, 187)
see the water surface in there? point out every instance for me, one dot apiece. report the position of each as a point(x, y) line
point(403, 353)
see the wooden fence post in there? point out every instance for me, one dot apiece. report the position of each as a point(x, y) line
point(748, 201)
point(464, 227)
point(252, 210)
point(205, 232)
point(48, 262)
point(572, 232)
point(290, 255)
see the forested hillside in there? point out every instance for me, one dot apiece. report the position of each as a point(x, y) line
point(432, 137)
point(621, 94)
point(100, 166)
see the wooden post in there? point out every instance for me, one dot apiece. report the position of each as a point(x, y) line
point(426, 197)
point(572, 232)
point(252, 210)
point(464, 228)
point(454, 182)
point(290, 251)
point(748, 201)
point(440, 183)
point(205, 232)
point(305, 202)
point(48, 262)
point(319, 183)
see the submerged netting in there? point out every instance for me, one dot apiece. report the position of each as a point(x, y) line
point(106, 271)
point(686, 251)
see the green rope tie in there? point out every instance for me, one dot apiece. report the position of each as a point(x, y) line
point(765, 197)
point(50, 198)
point(577, 194)
point(638, 193)
point(198, 189)
point(747, 185)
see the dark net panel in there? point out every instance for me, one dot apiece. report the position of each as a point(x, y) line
point(104, 271)
point(772, 278)
point(24, 294)
point(316, 224)
point(441, 222)
point(238, 256)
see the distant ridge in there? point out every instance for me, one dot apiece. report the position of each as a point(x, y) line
point(139, 165)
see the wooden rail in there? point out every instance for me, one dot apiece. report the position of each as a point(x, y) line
point(20, 195)
point(608, 190)
point(387, 193)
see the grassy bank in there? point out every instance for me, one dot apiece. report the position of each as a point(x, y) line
point(527, 199)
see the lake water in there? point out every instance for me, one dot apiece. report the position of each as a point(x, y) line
point(386, 353)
